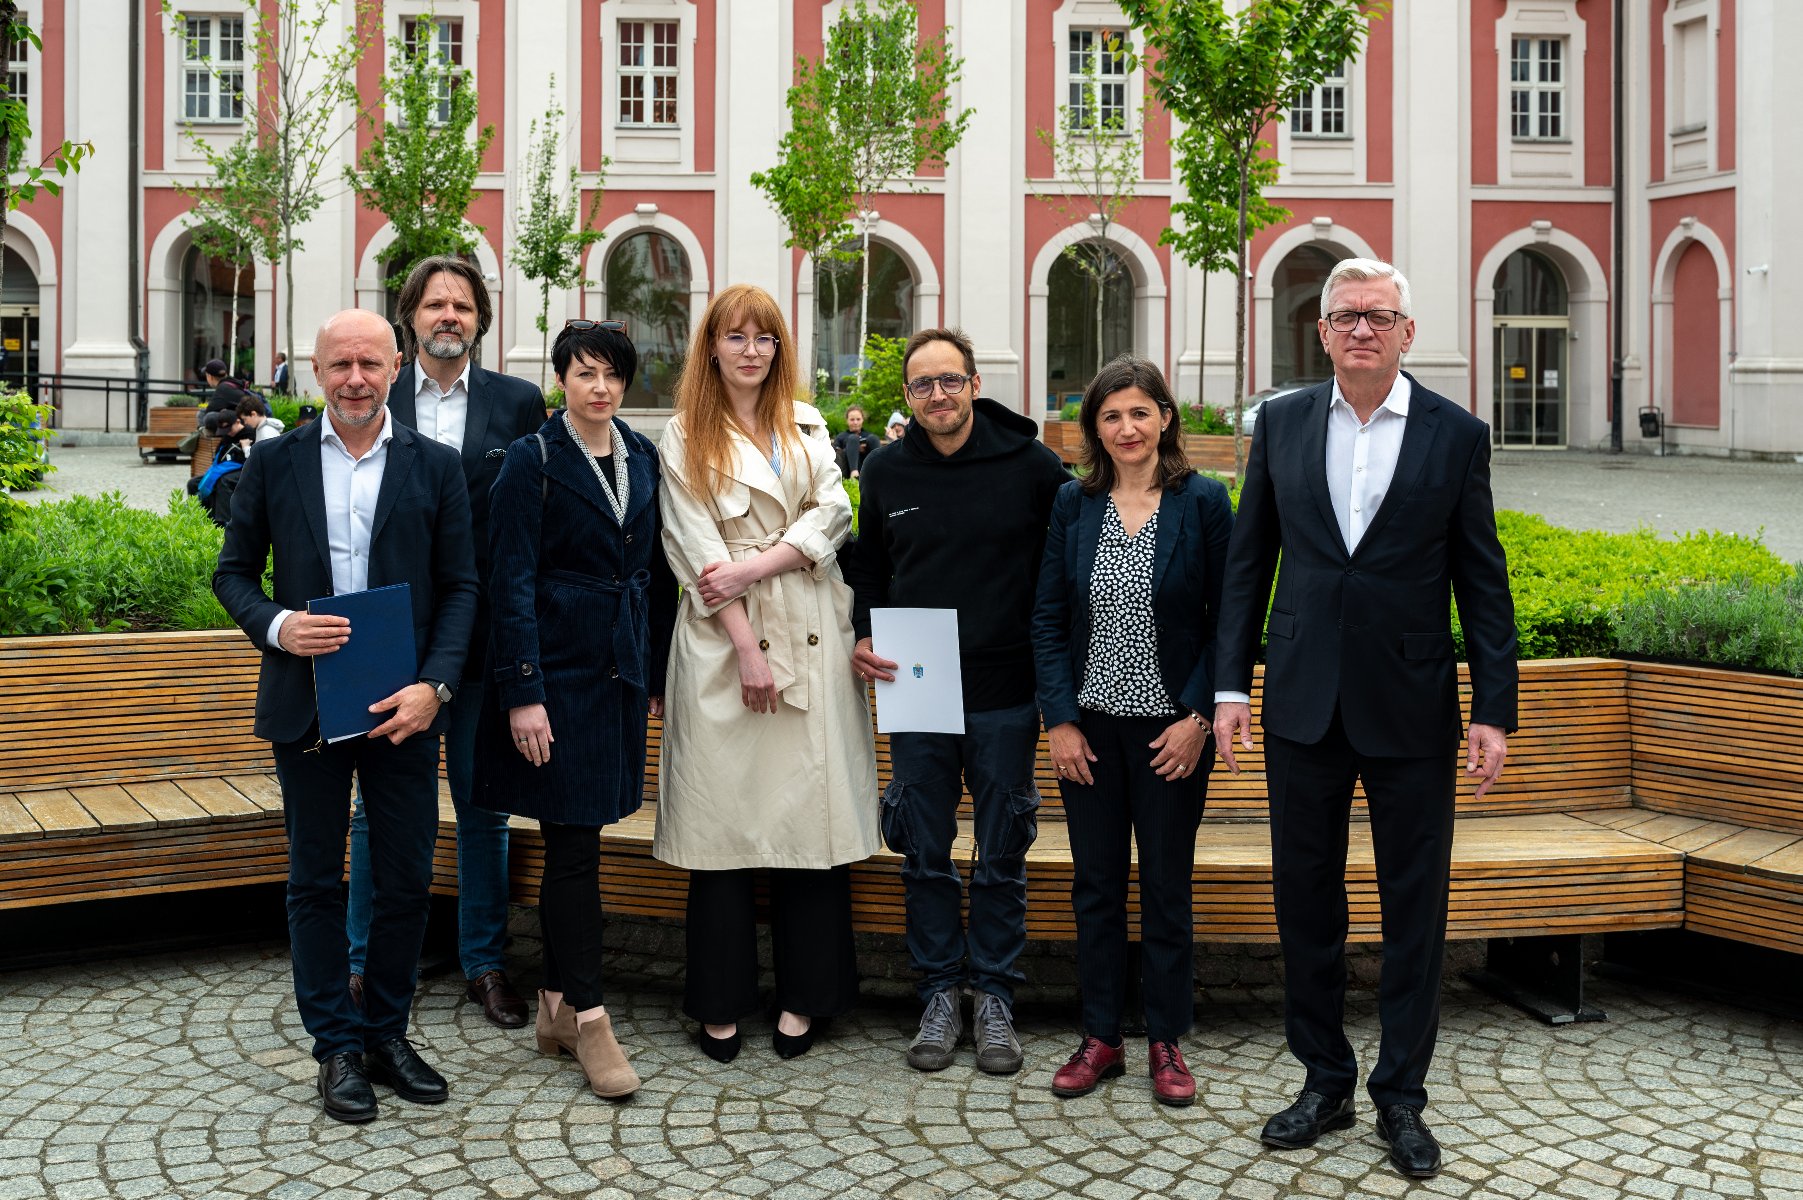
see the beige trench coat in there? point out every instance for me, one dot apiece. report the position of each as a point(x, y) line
point(744, 789)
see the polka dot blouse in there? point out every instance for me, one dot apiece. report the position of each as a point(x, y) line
point(1121, 676)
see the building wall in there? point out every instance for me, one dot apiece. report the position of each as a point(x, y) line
point(1429, 175)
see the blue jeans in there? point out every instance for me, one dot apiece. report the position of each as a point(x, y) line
point(994, 757)
point(481, 855)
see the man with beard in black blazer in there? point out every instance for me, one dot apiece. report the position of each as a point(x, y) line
point(355, 500)
point(443, 311)
point(1376, 493)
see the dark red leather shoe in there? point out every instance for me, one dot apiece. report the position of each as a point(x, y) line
point(1171, 1081)
point(1094, 1061)
point(501, 1004)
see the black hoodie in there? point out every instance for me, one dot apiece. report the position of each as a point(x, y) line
point(963, 531)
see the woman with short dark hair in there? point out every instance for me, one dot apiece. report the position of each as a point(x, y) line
point(1123, 641)
point(583, 604)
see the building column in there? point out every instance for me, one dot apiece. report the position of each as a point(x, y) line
point(528, 28)
point(754, 53)
point(1432, 233)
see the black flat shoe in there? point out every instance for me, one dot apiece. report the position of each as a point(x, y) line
point(721, 1050)
point(344, 1089)
point(396, 1063)
point(1312, 1115)
point(1412, 1148)
point(793, 1045)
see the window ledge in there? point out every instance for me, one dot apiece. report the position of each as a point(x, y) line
point(1320, 137)
point(1690, 131)
point(624, 127)
point(1534, 141)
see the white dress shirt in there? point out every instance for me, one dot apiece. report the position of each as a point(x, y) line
point(351, 487)
point(439, 414)
point(1361, 462)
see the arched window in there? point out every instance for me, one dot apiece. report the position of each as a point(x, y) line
point(1531, 345)
point(1528, 285)
point(1297, 355)
point(19, 325)
point(836, 298)
point(648, 288)
point(1696, 397)
point(1072, 355)
point(207, 285)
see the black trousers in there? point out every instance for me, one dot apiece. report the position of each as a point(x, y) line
point(400, 794)
point(1411, 802)
point(569, 913)
point(1130, 803)
point(810, 933)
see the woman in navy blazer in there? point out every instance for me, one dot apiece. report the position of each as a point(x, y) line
point(1123, 640)
point(583, 604)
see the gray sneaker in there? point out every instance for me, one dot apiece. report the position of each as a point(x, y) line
point(940, 1029)
point(992, 1026)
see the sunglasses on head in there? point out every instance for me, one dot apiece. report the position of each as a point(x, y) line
point(582, 325)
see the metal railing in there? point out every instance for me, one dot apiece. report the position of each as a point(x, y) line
point(132, 395)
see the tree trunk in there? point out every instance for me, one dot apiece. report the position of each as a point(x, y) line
point(1239, 331)
point(9, 16)
point(231, 342)
point(1101, 297)
point(544, 333)
point(832, 350)
point(864, 299)
point(1202, 351)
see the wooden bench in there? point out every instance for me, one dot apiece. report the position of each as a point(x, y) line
point(1206, 452)
point(169, 425)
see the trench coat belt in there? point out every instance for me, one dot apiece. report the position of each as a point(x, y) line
point(767, 606)
point(631, 626)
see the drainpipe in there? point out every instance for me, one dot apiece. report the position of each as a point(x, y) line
point(134, 274)
point(1617, 304)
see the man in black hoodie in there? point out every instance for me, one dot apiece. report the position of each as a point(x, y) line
point(954, 516)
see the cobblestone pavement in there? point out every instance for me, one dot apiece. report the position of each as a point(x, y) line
point(185, 1075)
point(1573, 488)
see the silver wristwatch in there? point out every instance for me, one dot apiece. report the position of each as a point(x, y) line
point(440, 689)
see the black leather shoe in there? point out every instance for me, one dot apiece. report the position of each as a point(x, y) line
point(721, 1050)
point(396, 1063)
point(500, 1002)
point(793, 1045)
point(344, 1089)
point(1412, 1148)
point(1306, 1120)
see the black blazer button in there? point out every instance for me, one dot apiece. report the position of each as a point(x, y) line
point(613, 672)
point(629, 539)
point(526, 669)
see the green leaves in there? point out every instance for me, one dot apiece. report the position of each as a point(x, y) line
point(420, 171)
point(551, 231)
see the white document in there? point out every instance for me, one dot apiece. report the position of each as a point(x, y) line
point(928, 693)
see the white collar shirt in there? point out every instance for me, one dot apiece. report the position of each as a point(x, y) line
point(439, 414)
point(1361, 457)
point(351, 487)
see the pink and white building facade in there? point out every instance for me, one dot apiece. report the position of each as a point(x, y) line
point(1471, 144)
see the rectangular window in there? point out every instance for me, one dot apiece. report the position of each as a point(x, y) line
point(1096, 80)
point(1690, 77)
point(213, 68)
point(1321, 111)
point(1537, 89)
point(446, 50)
point(18, 70)
point(647, 69)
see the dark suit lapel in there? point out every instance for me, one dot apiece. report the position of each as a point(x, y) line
point(1417, 440)
point(1313, 448)
point(1089, 536)
point(569, 467)
point(400, 396)
point(639, 473)
point(401, 455)
point(1171, 510)
point(309, 483)
point(475, 422)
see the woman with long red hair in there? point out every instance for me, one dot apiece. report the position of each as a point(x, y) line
point(767, 759)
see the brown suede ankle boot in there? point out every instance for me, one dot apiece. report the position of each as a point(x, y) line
point(555, 1033)
point(610, 1076)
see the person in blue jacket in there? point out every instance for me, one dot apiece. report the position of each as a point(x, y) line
point(583, 604)
point(1123, 642)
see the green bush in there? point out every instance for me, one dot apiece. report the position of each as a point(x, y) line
point(877, 388)
point(90, 564)
point(184, 400)
point(1738, 623)
point(1072, 411)
point(24, 431)
point(1205, 418)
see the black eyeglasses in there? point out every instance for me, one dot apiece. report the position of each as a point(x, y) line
point(580, 325)
point(952, 384)
point(1380, 320)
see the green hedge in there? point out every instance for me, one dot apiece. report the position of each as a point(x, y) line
point(1734, 624)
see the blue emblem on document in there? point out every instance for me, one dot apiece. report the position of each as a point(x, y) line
point(919, 670)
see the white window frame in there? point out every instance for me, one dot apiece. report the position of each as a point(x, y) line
point(452, 51)
point(222, 89)
point(26, 68)
point(1534, 161)
point(1095, 17)
point(1104, 71)
point(1693, 142)
point(645, 149)
point(1312, 108)
point(658, 62)
point(1529, 63)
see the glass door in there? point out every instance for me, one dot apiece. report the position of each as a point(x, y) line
point(1529, 391)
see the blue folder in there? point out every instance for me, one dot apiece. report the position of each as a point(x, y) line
point(378, 661)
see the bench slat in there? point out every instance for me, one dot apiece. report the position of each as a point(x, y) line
point(58, 812)
point(16, 821)
point(166, 802)
point(113, 808)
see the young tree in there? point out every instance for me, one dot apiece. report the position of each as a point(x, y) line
point(420, 171)
point(1208, 236)
point(1232, 76)
point(551, 232)
point(878, 102)
point(19, 181)
point(1100, 152)
point(229, 220)
point(305, 68)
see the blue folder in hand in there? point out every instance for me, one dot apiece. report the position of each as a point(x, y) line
point(377, 662)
